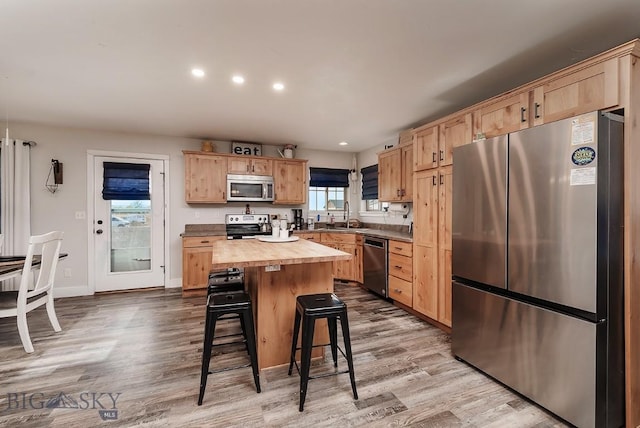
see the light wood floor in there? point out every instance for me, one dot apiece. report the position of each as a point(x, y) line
point(147, 346)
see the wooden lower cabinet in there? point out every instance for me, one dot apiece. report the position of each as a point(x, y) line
point(401, 272)
point(196, 262)
point(425, 285)
point(358, 261)
point(401, 291)
point(309, 236)
point(444, 287)
point(432, 246)
point(343, 269)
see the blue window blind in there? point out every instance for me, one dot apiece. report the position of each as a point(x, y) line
point(125, 181)
point(369, 182)
point(328, 177)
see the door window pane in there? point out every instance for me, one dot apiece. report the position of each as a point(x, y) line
point(130, 235)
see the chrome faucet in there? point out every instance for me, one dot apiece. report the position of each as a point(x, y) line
point(345, 215)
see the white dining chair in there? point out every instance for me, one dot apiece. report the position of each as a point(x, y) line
point(19, 303)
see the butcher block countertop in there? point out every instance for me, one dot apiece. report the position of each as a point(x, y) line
point(252, 253)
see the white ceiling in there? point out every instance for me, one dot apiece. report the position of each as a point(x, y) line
point(355, 70)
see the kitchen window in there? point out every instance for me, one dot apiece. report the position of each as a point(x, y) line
point(326, 198)
point(327, 188)
point(370, 188)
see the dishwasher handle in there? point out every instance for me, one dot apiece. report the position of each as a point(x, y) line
point(374, 242)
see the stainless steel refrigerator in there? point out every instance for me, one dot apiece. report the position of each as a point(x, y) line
point(537, 265)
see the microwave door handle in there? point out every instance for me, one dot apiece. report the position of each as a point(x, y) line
point(264, 191)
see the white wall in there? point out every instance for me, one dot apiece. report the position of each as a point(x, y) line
point(57, 211)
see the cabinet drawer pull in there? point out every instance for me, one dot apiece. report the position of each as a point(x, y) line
point(522, 112)
point(205, 242)
point(397, 290)
point(398, 248)
point(398, 267)
point(535, 111)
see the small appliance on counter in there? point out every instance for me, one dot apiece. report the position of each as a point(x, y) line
point(298, 221)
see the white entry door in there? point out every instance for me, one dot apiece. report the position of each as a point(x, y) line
point(129, 233)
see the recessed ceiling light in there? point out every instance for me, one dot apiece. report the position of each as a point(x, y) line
point(343, 143)
point(237, 79)
point(278, 86)
point(197, 72)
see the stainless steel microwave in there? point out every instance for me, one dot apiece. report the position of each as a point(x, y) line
point(249, 188)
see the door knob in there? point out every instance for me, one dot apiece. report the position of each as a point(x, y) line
point(99, 231)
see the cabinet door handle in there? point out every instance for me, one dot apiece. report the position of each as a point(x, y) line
point(398, 267)
point(397, 192)
point(441, 155)
point(535, 111)
point(434, 180)
point(441, 179)
point(434, 157)
point(522, 112)
point(247, 168)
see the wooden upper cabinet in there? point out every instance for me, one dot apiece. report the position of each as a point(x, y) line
point(425, 208)
point(504, 116)
point(205, 178)
point(425, 149)
point(389, 175)
point(290, 181)
point(592, 88)
point(249, 166)
point(406, 180)
point(453, 133)
point(395, 174)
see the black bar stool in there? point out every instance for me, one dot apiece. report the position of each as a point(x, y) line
point(225, 281)
point(219, 304)
point(309, 308)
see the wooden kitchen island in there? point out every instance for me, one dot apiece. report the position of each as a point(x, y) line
point(275, 274)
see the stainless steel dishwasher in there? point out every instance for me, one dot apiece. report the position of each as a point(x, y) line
point(375, 265)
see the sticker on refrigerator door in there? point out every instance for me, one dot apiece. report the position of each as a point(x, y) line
point(582, 132)
point(583, 156)
point(583, 176)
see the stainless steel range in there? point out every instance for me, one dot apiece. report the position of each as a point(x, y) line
point(247, 226)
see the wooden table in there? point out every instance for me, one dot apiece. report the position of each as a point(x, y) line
point(275, 274)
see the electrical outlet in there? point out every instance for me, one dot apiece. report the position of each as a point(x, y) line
point(196, 214)
point(67, 272)
point(81, 215)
